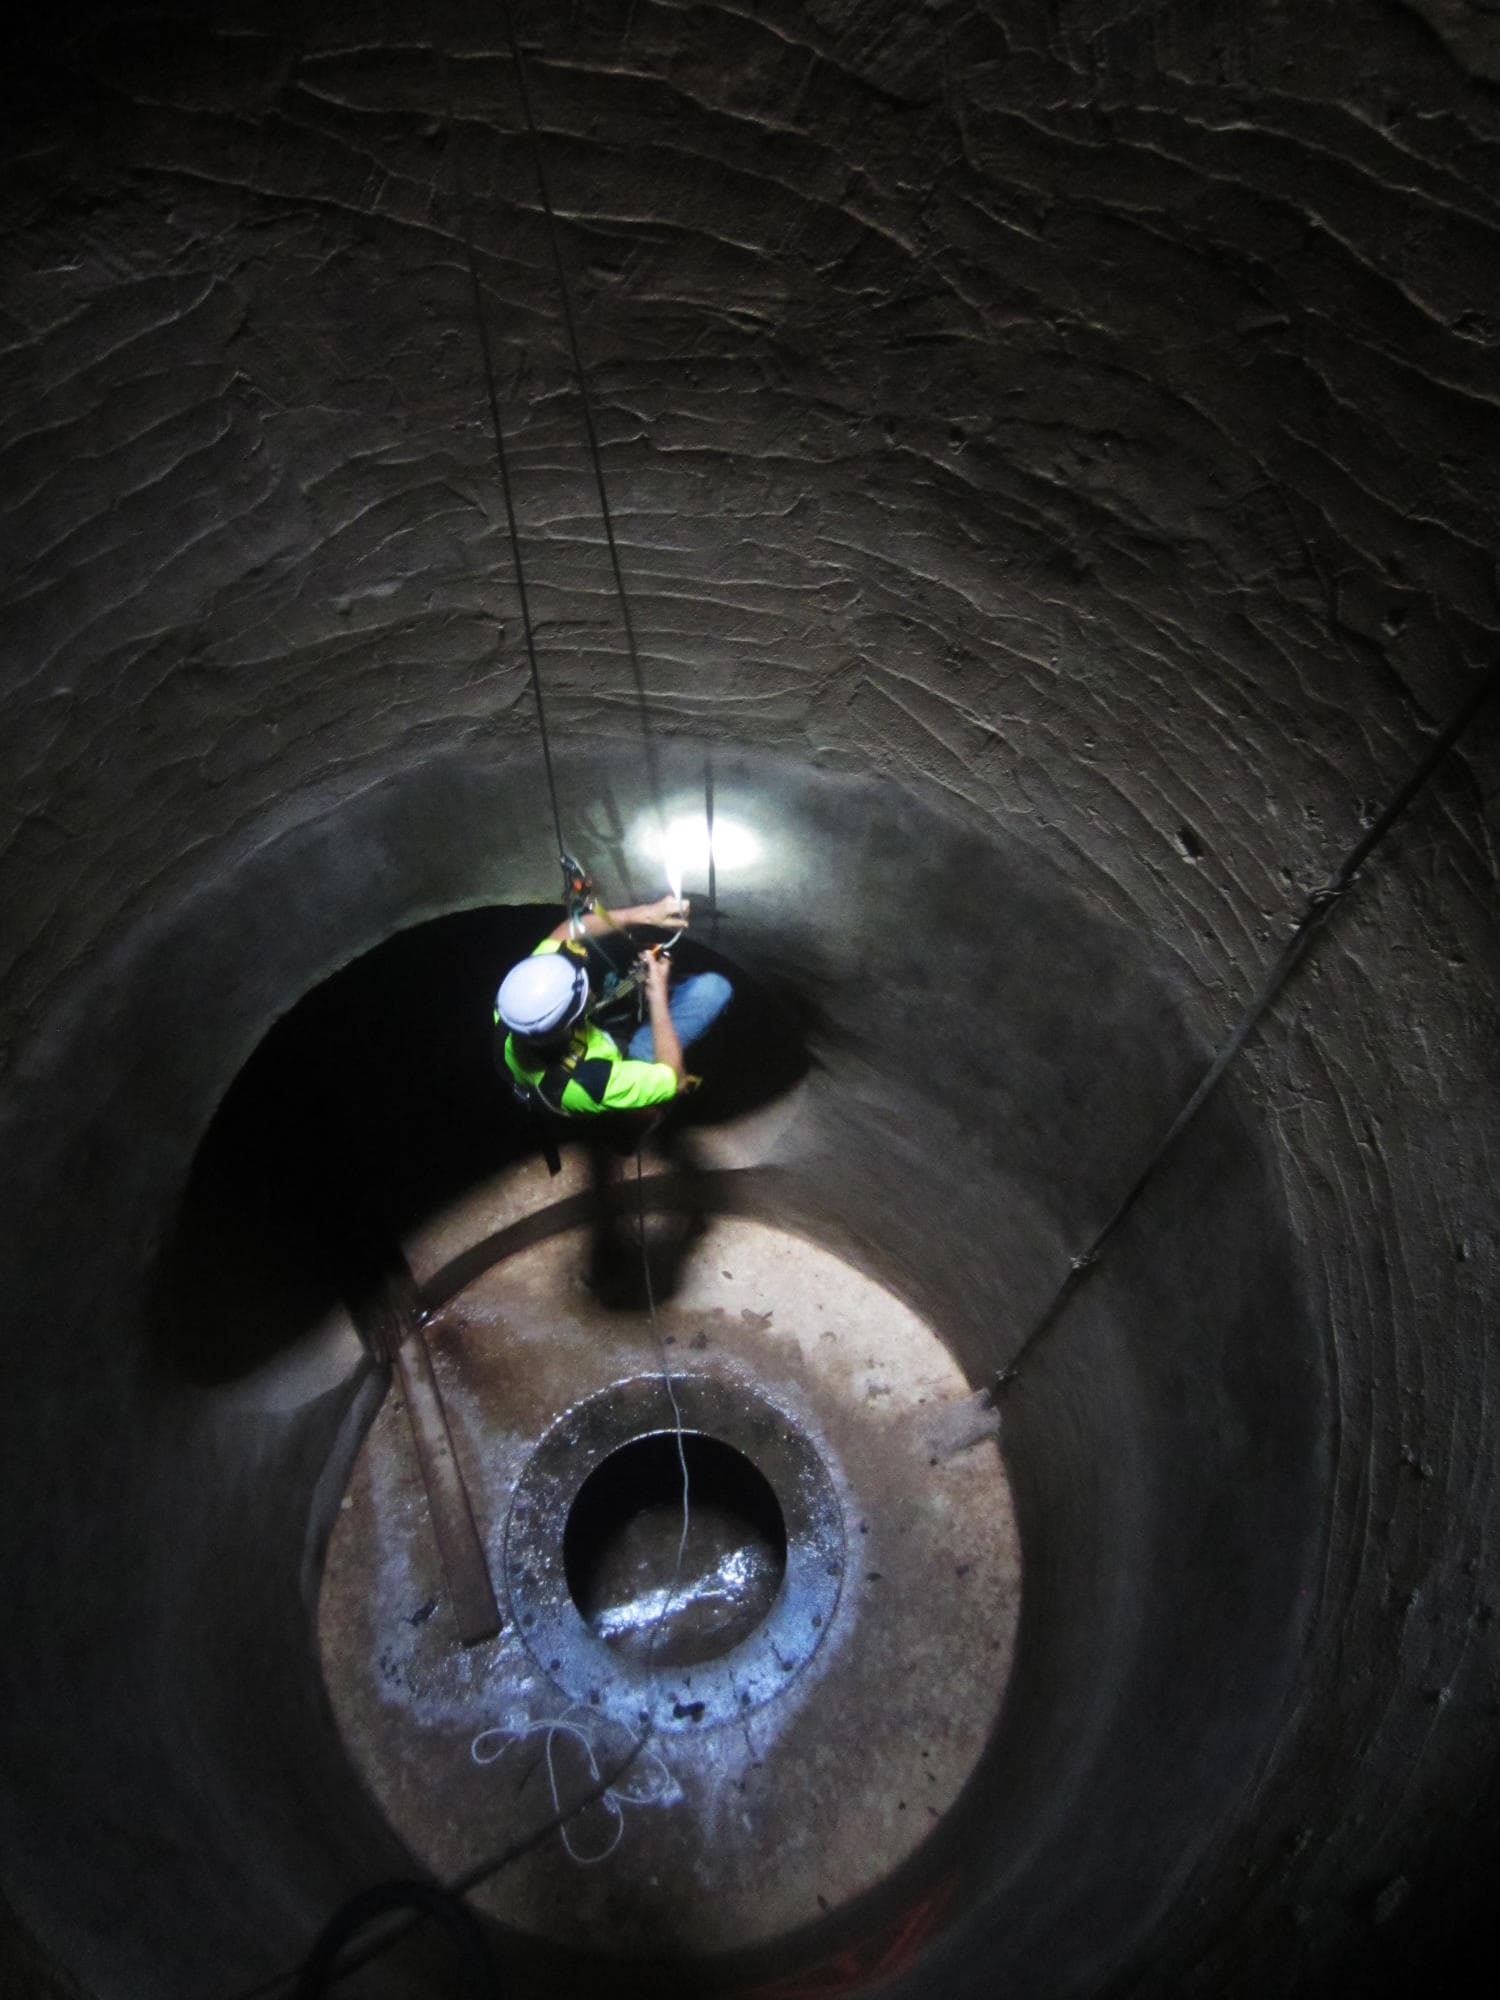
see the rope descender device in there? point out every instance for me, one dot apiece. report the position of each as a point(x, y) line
point(578, 890)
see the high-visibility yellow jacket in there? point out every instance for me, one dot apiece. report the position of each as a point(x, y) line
point(592, 1075)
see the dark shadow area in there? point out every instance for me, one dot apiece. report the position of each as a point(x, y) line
point(755, 1052)
point(375, 1101)
point(372, 1100)
point(624, 1234)
point(409, 1903)
point(716, 1191)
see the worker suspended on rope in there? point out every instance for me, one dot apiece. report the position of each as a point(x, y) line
point(558, 1057)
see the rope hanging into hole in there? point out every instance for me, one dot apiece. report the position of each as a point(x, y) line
point(603, 1784)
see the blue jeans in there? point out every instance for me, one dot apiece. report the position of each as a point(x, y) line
point(694, 1003)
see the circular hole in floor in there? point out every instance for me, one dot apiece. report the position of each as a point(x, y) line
point(624, 1531)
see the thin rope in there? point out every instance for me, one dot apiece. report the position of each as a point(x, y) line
point(579, 1724)
point(1320, 906)
point(604, 1785)
point(607, 1791)
point(666, 1376)
point(708, 821)
point(585, 398)
point(502, 457)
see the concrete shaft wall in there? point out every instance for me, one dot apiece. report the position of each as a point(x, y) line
point(1054, 457)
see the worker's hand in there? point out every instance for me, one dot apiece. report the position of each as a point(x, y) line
point(668, 913)
point(655, 970)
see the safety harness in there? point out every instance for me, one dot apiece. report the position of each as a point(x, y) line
point(546, 1093)
point(614, 996)
point(541, 1097)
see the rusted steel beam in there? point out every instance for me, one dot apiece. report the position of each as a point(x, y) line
point(388, 1314)
point(453, 1525)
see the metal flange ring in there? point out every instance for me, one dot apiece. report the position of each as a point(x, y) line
point(638, 1692)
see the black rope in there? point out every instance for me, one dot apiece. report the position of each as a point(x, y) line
point(1320, 906)
point(352, 1956)
point(586, 401)
point(482, 325)
point(322, 1968)
point(708, 821)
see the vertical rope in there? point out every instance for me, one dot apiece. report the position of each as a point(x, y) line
point(708, 821)
point(481, 323)
point(666, 1376)
point(586, 400)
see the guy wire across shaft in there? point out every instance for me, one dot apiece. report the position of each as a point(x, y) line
point(1320, 906)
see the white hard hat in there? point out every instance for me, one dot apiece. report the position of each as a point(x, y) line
point(542, 996)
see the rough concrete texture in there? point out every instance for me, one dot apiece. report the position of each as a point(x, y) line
point(793, 1807)
point(1054, 451)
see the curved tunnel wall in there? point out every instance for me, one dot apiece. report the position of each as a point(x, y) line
point(1169, 1464)
point(1087, 422)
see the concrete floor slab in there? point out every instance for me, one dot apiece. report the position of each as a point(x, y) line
point(736, 1833)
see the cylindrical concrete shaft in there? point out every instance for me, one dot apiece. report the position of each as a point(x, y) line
point(1055, 456)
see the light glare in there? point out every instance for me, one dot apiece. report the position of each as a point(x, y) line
point(684, 848)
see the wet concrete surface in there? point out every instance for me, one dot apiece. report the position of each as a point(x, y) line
point(719, 1836)
point(658, 1581)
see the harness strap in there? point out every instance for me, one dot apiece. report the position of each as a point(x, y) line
point(591, 1073)
point(553, 1081)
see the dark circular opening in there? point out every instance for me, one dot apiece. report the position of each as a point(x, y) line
point(624, 1531)
point(308, 1167)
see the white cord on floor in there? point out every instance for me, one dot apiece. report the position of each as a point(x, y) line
point(491, 1744)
